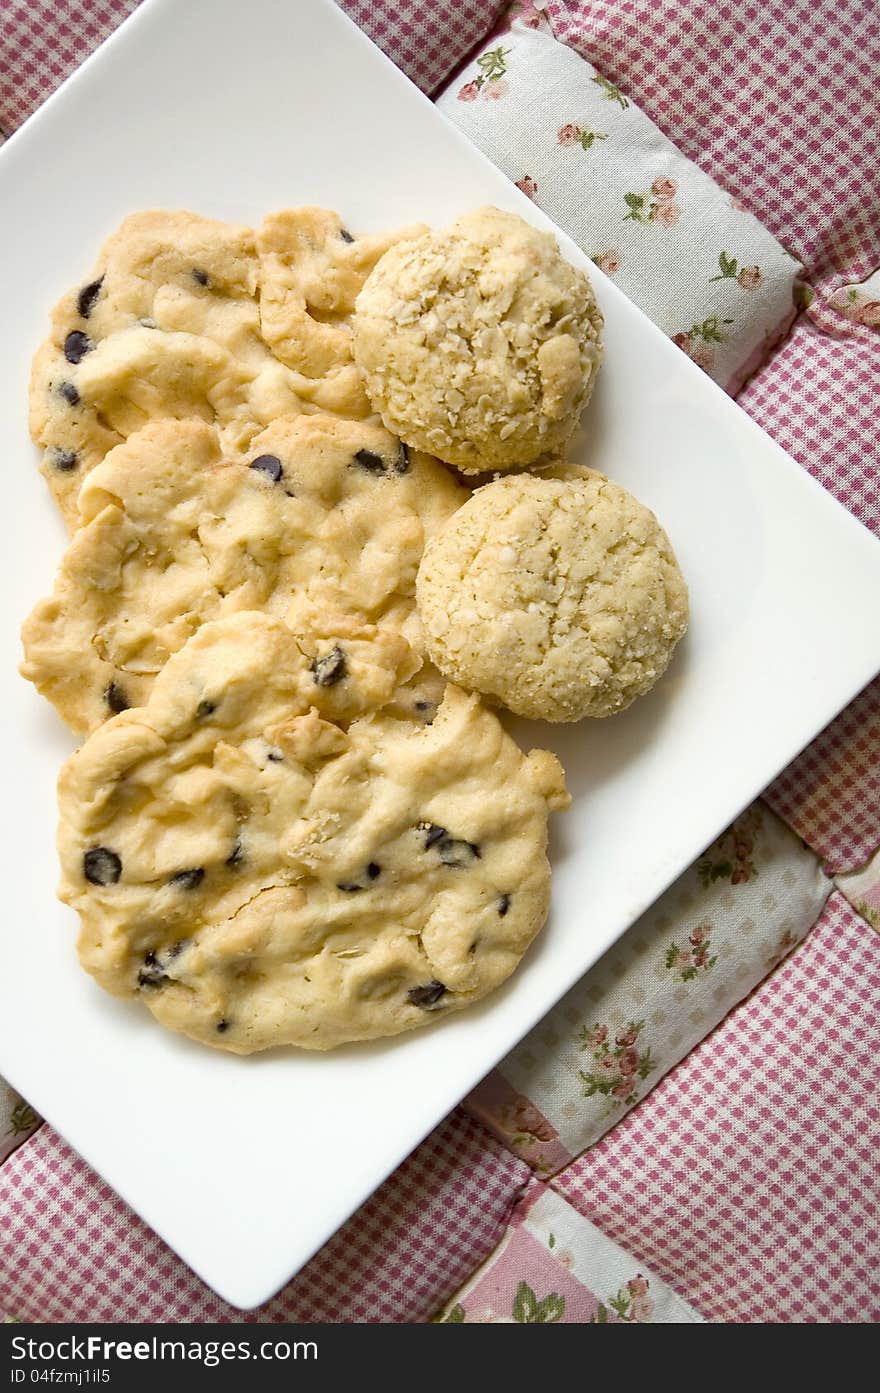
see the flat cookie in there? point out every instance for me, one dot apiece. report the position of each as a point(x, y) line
point(322, 525)
point(259, 877)
point(173, 322)
point(556, 594)
point(479, 343)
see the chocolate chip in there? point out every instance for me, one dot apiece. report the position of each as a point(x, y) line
point(69, 393)
point(401, 464)
point(351, 887)
point(64, 460)
point(331, 668)
point(270, 465)
point(432, 832)
point(458, 854)
point(345, 234)
point(372, 463)
point(85, 300)
point(76, 346)
point(222, 1026)
point(426, 996)
point(236, 855)
point(102, 866)
point(188, 880)
point(115, 698)
point(503, 905)
point(201, 276)
point(152, 974)
point(427, 710)
point(205, 709)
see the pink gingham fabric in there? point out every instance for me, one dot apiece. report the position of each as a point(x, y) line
point(818, 396)
point(427, 41)
point(74, 1251)
point(830, 795)
point(748, 1181)
point(42, 42)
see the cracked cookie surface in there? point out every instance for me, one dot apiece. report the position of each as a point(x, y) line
point(556, 594)
point(186, 316)
point(257, 876)
point(479, 343)
point(322, 524)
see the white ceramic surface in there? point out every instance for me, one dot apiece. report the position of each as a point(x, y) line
point(247, 1166)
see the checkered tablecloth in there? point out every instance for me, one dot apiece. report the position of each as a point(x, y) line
point(743, 1185)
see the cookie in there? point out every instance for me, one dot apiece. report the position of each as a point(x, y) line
point(312, 270)
point(479, 343)
point(556, 594)
point(322, 524)
point(257, 876)
point(185, 316)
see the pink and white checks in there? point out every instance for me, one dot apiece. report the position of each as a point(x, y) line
point(830, 795)
point(749, 1180)
point(818, 396)
point(42, 42)
point(73, 1250)
point(426, 41)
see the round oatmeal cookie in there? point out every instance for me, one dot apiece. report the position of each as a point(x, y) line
point(556, 594)
point(322, 524)
point(257, 876)
point(186, 316)
point(479, 343)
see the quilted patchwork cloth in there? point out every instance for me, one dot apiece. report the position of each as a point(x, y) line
point(691, 256)
point(775, 99)
point(743, 1186)
point(554, 1266)
point(748, 1180)
point(704, 945)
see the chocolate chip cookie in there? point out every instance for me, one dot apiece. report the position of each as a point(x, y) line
point(321, 524)
point(258, 876)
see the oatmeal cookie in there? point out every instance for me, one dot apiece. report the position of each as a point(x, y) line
point(556, 594)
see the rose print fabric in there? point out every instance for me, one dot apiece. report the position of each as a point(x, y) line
point(719, 930)
point(693, 258)
point(554, 1267)
point(862, 889)
point(17, 1120)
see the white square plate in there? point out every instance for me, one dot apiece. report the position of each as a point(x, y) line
point(246, 1166)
